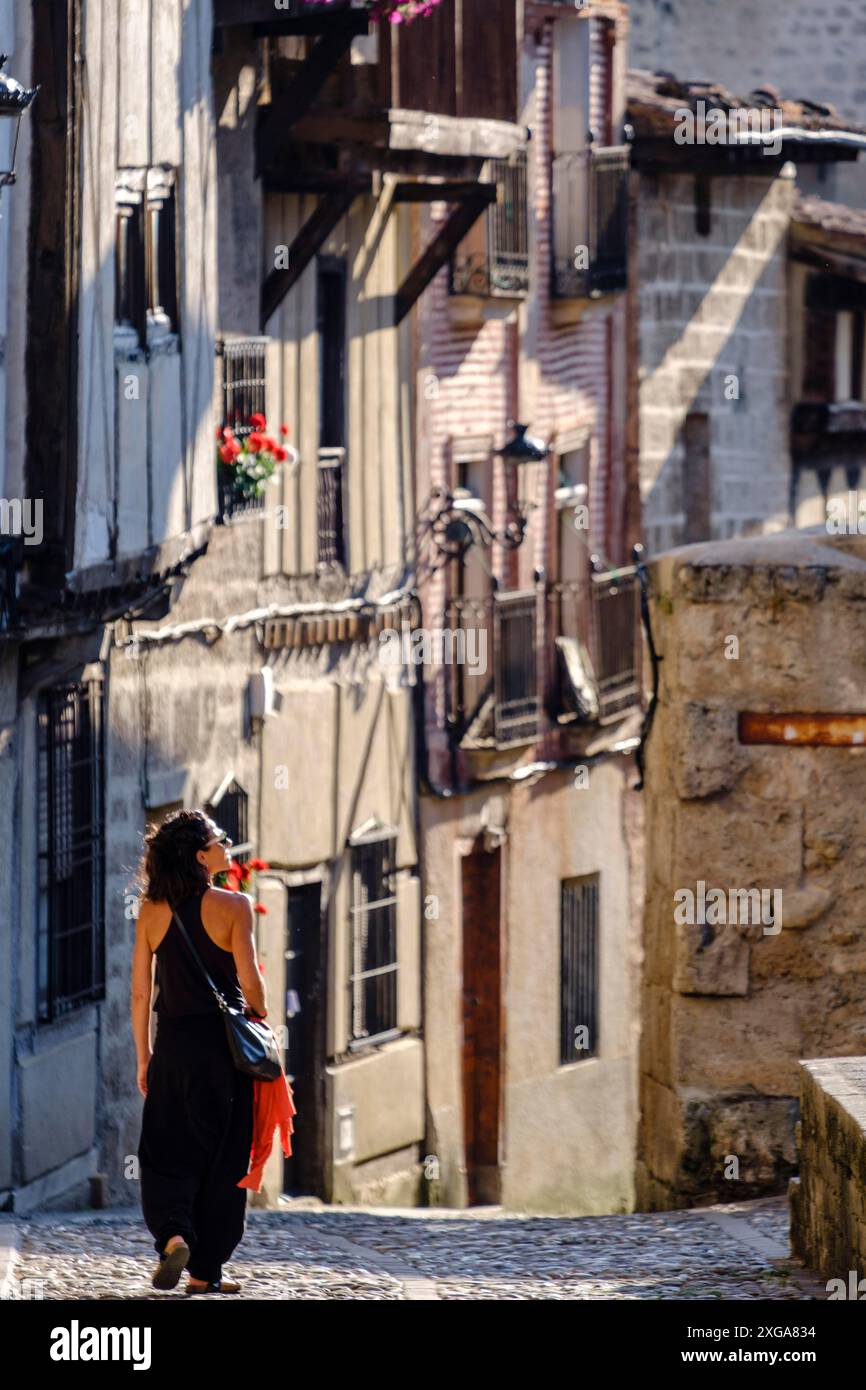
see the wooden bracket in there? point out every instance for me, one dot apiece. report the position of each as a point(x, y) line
point(471, 201)
point(310, 238)
point(289, 106)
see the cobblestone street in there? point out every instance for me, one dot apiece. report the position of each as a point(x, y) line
point(308, 1251)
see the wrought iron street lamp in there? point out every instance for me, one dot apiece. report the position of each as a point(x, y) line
point(14, 101)
point(452, 522)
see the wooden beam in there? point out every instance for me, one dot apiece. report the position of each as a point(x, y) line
point(309, 239)
point(279, 117)
point(264, 17)
point(301, 167)
point(453, 192)
point(330, 127)
point(465, 214)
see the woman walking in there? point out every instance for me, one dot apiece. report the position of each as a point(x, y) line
point(197, 1122)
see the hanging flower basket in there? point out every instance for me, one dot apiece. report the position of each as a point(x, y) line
point(247, 460)
point(394, 11)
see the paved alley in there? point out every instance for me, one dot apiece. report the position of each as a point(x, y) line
point(308, 1251)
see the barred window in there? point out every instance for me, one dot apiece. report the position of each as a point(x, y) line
point(71, 926)
point(231, 812)
point(579, 970)
point(244, 393)
point(373, 975)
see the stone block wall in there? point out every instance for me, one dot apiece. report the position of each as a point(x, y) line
point(807, 48)
point(713, 340)
point(770, 624)
point(828, 1200)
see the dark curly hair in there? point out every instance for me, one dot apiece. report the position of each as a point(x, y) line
point(170, 871)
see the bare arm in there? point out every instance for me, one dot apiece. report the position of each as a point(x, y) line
point(244, 952)
point(140, 992)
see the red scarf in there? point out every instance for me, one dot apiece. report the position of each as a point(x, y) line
point(273, 1109)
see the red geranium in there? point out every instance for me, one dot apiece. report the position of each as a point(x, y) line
point(258, 421)
point(281, 454)
point(255, 441)
point(284, 429)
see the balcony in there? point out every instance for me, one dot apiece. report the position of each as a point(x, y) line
point(494, 703)
point(590, 222)
point(331, 530)
point(493, 261)
point(597, 626)
point(243, 393)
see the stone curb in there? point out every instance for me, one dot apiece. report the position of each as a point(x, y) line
point(9, 1247)
point(735, 1224)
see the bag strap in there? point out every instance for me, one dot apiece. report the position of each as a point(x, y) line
point(220, 997)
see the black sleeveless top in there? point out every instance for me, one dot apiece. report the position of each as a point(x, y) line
point(182, 987)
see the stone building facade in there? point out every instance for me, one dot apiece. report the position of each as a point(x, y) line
point(800, 47)
point(716, 312)
point(754, 777)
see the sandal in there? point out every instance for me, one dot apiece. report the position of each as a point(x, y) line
point(171, 1266)
point(216, 1286)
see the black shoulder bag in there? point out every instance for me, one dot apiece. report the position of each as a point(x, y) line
point(252, 1044)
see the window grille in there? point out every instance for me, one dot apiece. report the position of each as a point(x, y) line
point(331, 530)
point(71, 926)
point(515, 669)
point(579, 975)
point(244, 388)
point(373, 975)
point(590, 221)
point(502, 268)
point(231, 813)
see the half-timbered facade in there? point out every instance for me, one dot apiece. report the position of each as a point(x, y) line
point(111, 296)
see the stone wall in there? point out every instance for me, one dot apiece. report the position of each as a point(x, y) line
point(828, 1200)
point(807, 48)
point(712, 340)
point(770, 624)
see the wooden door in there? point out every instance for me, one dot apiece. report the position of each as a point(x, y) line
point(482, 1024)
point(304, 1059)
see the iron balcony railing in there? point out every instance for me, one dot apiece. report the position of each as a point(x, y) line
point(603, 616)
point(515, 668)
point(493, 693)
point(243, 389)
point(590, 222)
point(331, 533)
point(502, 269)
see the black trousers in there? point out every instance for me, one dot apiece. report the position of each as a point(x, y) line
point(196, 1135)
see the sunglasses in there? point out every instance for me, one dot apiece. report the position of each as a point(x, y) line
point(220, 839)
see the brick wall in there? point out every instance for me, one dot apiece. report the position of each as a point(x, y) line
point(471, 380)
